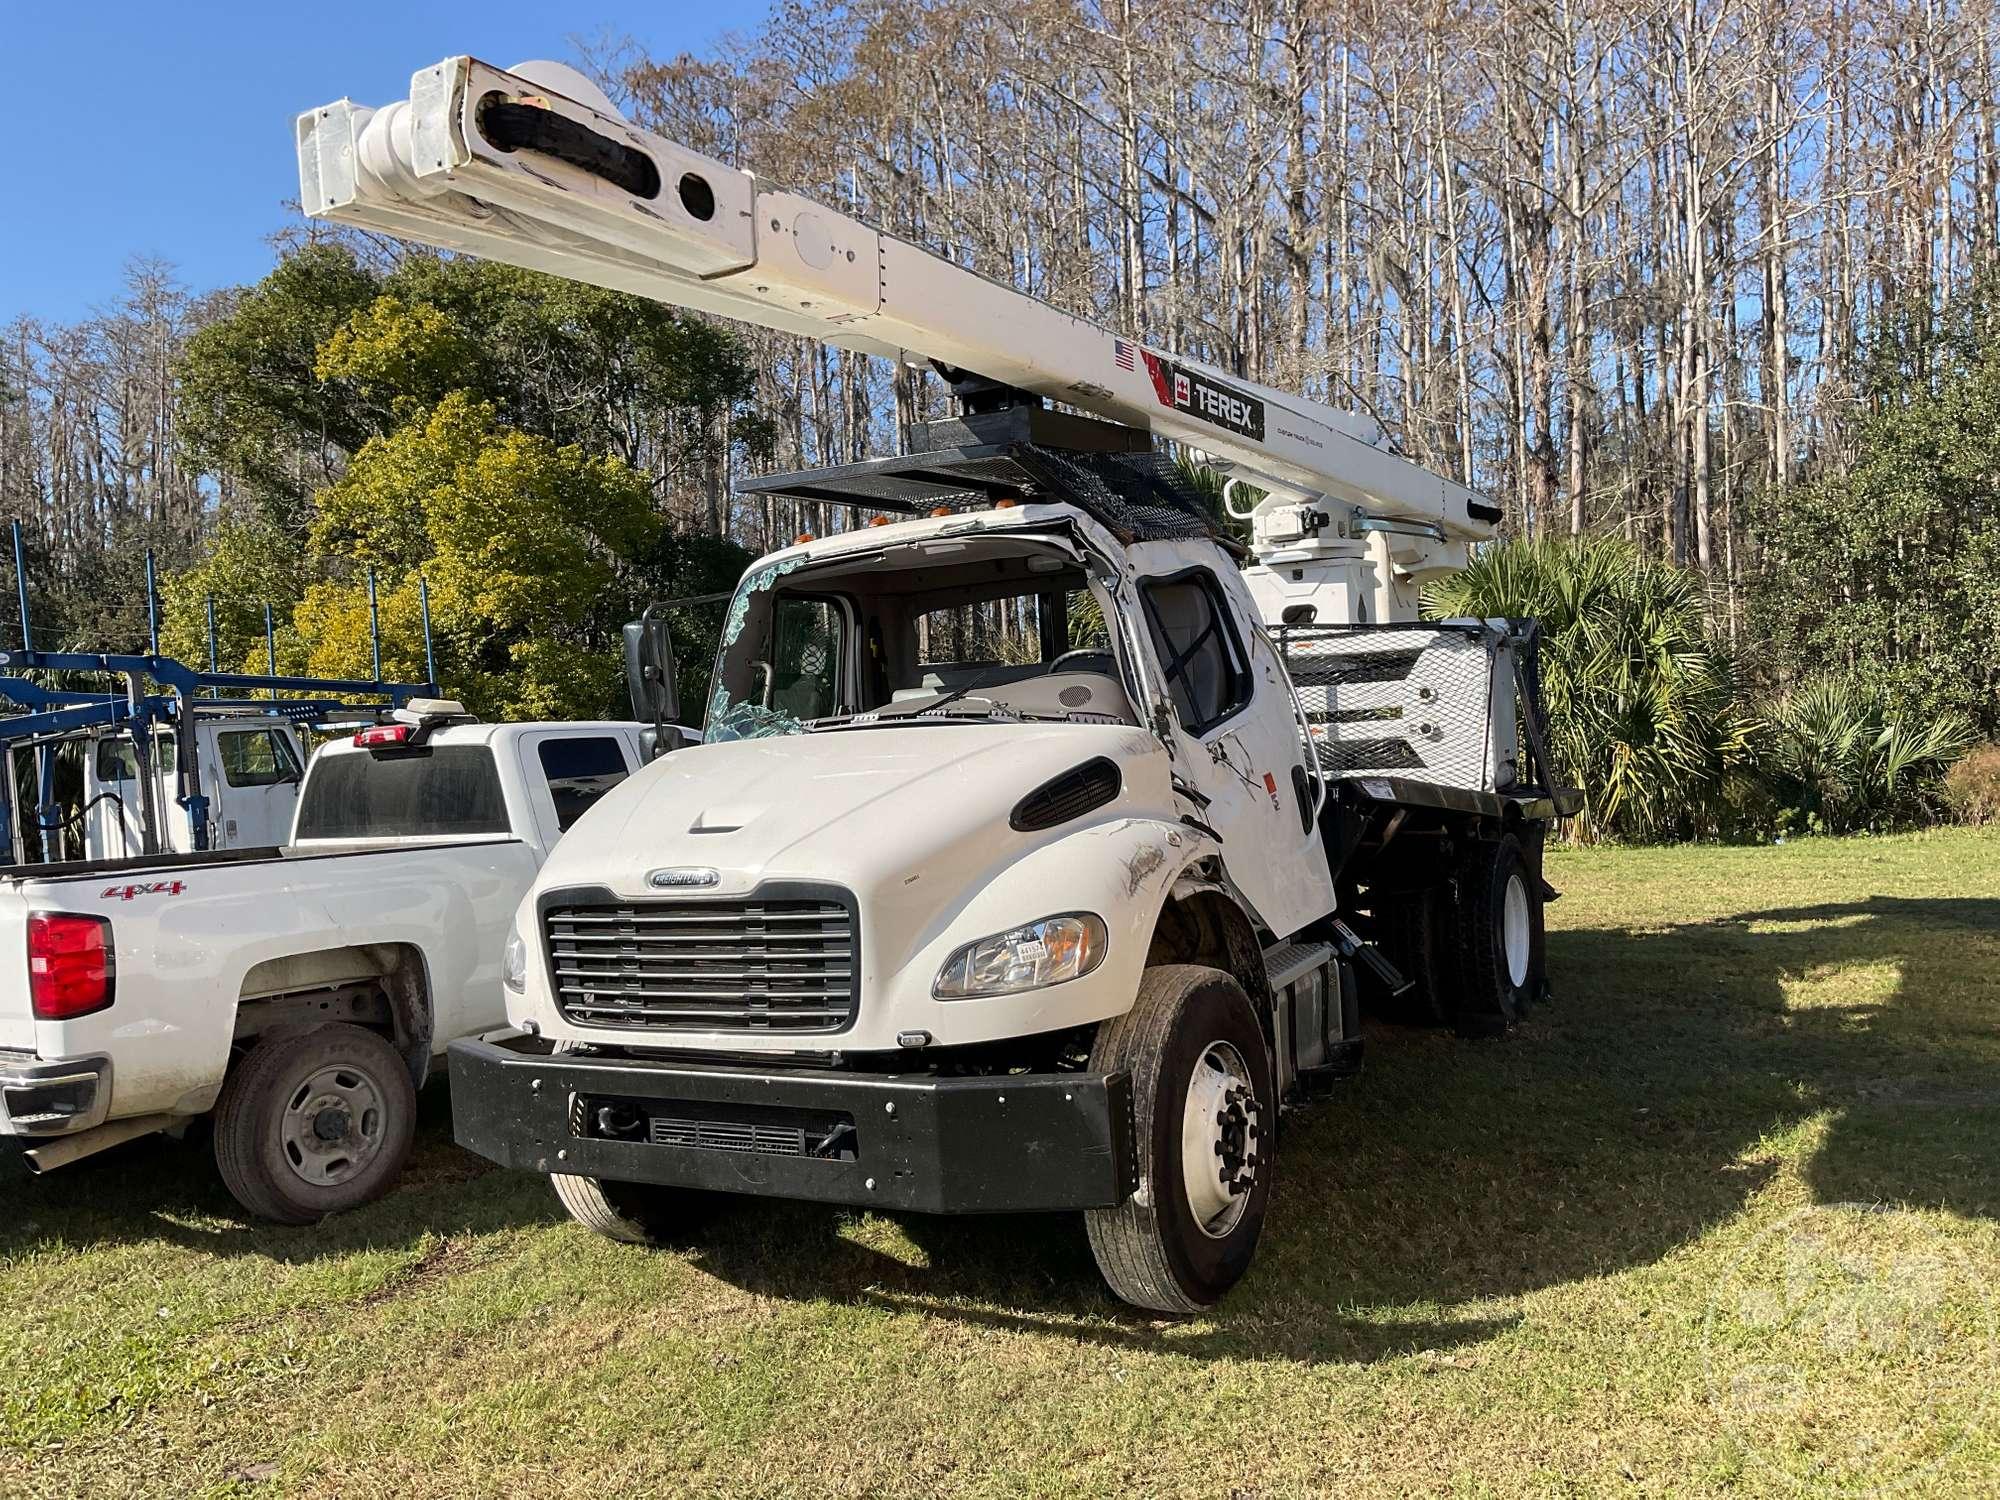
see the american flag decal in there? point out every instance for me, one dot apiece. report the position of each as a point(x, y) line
point(1123, 353)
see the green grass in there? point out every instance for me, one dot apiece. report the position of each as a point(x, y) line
point(1582, 1260)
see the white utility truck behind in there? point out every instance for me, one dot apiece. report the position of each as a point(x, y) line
point(251, 765)
point(952, 918)
point(297, 992)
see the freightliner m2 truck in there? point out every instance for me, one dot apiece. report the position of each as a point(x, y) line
point(1045, 835)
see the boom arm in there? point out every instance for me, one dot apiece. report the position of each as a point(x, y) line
point(536, 168)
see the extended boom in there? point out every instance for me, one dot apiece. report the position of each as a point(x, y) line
point(535, 167)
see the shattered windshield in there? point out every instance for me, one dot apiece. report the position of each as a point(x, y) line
point(972, 628)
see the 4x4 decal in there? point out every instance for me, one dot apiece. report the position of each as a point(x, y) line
point(154, 888)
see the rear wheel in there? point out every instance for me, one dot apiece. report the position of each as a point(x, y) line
point(1206, 1114)
point(1413, 933)
point(314, 1122)
point(1499, 937)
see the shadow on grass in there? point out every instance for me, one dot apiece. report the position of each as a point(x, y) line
point(162, 1190)
point(1622, 1122)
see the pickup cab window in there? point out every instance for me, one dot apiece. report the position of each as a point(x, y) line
point(443, 791)
point(579, 769)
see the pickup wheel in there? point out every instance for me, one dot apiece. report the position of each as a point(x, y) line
point(1498, 926)
point(1206, 1136)
point(314, 1122)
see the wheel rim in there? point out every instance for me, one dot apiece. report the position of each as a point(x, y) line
point(333, 1125)
point(1514, 930)
point(1219, 1140)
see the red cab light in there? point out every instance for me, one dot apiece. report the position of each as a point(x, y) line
point(71, 968)
point(384, 734)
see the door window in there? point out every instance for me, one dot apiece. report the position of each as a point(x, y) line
point(117, 762)
point(580, 769)
point(806, 651)
point(256, 757)
point(1199, 651)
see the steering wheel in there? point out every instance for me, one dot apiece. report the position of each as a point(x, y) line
point(1109, 667)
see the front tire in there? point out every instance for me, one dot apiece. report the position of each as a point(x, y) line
point(632, 1213)
point(315, 1122)
point(1207, 1114)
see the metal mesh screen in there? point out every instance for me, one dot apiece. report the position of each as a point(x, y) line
point(1412, 701)
point(1138, 496)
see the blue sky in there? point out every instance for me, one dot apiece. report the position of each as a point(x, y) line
point(165, 127)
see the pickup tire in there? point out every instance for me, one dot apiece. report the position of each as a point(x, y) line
point(1206, 1113)
point(314, 1122)
point(1499, 937)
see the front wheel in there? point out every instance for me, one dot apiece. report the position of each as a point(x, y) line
point(1207, 1115)
point(633, 1213)
point(314, 1122)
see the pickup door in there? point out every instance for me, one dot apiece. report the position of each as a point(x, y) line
point(567, 770)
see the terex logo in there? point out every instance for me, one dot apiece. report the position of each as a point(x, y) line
point(681, 878)
point(154, 888)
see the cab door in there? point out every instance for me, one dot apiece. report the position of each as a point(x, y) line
point(1237, 739)
point(114, 820)
point(567, 770)
point(251, 775)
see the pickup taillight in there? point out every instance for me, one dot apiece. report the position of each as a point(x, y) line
point(71, 967)
point(382, 736)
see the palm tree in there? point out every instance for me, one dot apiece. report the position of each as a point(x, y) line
point(1641, 705)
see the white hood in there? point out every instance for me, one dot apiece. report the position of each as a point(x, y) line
point(870, 809)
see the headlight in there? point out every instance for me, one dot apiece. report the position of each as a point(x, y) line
point(514, 963)
point(1041, 953)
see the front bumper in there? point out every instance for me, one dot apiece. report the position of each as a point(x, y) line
point(933, 1145)
point(50, 1097)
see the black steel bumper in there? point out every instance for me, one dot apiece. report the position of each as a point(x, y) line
point(934, 1145)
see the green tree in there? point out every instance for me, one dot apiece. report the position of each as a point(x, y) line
point(1641, 706)
point(1891, 572)
point(503, 437)
point(1840, 760)
point(251, 404)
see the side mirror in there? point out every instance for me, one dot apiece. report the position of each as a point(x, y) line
point(649, 670)
point(659, 739)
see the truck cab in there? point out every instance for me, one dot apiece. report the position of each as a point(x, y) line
point(998, 884)
point(252, 768)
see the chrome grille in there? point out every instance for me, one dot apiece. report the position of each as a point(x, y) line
point(757, 965)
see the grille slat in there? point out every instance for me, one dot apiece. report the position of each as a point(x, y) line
point(729, 1135)
point(757, 965)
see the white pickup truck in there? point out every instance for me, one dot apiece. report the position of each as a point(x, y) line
point(300, 992)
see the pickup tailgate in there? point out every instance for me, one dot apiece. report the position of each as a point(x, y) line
point(17, 1020)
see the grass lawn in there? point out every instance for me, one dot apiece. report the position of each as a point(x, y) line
point(1598, 1257)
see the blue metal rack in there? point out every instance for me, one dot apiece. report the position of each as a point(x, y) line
point(53, 715)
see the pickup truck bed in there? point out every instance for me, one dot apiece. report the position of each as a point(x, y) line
point(301, 992)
